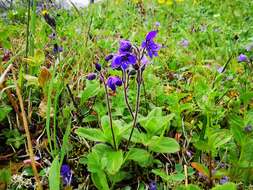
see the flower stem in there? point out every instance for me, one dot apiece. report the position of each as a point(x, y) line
point(125, 93)
point(27, 132)
point(109, 112)
point(210, 170)
point(139, 78)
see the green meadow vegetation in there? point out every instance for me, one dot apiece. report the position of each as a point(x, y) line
point(127, 94)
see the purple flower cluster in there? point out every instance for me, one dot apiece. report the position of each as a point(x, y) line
point(242, 58)
point(113, 82)
point(127, 55)
point(57, 49)
point(149, 44)
point(184, 43)
point(66, 174)
point(248, 129)
point(152, 185)
point(224, 180)
point(124, 57)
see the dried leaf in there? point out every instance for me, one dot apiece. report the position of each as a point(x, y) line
point(200, 168)
point(44, 76)
point(43, 109)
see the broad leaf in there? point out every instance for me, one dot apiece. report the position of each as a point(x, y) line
point(141, 156)
point(4, 110)
point(189, 187)
point(91, 134)
point(91, 90)
point(163, 145)
point(172, 177)
point(219, 138)
point(100, 181)
point(226, 186)
point(114, 161)
point(54, 175)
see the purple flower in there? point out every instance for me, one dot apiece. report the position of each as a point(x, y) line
point(248, 129)
point(157, 24)
point(249, 47)
point(144, 60)
point(123, 61)
point(113, 82)
point(149, 44)
point(220, 69)
point(184, 43)
point(108, 57)
point(91, 76)
point(52, 36)
point(242, 58)
point(66, 174)
point(152, 185)
point(224, 180)
point(125, 47)
point(57, 48)
point(189, 153)
point(98, 67)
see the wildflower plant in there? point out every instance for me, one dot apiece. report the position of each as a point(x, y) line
point(130, 61)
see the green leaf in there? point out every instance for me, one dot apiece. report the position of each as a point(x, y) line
point(219, 138)
point(236, 124)
point(172, 177)
point(100, 181)
point(161, 174)
point(92, 89)
point(163, 145)
point(5, 175)
point(54, 175)
point(107, 130)
point(94, 162)
point(246, 157)
point(179, 168)
point(141, 156)
point(65, 143)
point(189, 187)
point(202, 145)
point(226, 186)
point(31, 80)
point(95, 159)
point(155, 121)
point(4, 110)
point(121, 175)
point(91, 134)
point(114, 161)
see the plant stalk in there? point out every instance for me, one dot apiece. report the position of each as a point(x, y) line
point(109, 111)
point(28, 136)
point(139, 78)
point(27, 27)
point(125, 94)
point(210, 170)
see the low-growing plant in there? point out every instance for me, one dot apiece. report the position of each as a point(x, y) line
point(120, 142)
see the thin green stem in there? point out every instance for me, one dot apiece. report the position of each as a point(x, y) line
point(109, 111)
point(27, 27)
point(125, 94)
point(210, 170)
point(139, 80)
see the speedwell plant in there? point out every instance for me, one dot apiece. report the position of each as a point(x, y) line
point(120, 145)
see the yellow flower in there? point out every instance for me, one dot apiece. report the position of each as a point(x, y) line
point(44, 12)
point(161, 1)
point(169, 2)
point(119, 1)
